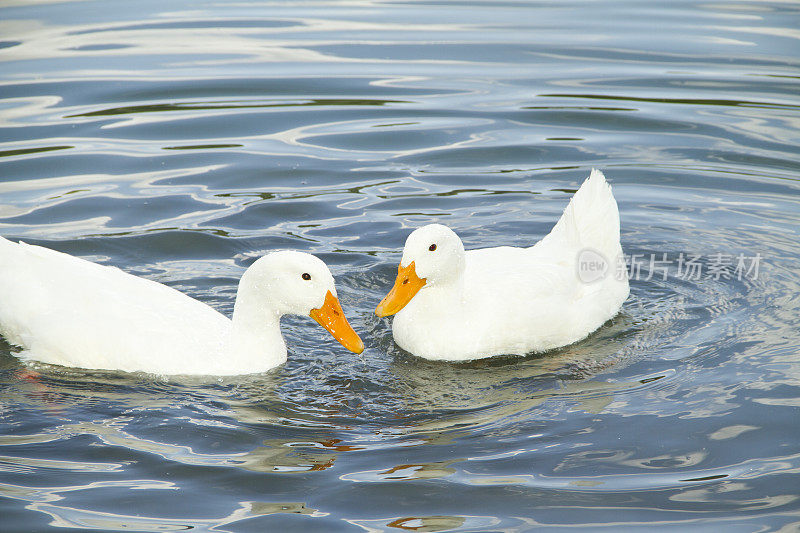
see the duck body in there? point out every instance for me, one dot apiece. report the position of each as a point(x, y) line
point(506, 300)
point(68, 311)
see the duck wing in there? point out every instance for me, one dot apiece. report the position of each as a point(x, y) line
point(69, 311)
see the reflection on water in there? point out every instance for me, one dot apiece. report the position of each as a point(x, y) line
point(181, 142)
point(78, 518)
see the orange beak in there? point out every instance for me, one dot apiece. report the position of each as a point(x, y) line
point(331, 317)
point(405, 287)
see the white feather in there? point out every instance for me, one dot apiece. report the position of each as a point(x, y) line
point(509, 300)
point(68, 311)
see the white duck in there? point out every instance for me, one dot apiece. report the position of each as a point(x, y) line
point(456, 306)
point(68, 311)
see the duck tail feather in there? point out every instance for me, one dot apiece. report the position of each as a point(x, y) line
point(591, 220)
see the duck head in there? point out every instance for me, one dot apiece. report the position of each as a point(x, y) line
point(298, 283)
point(433, 256)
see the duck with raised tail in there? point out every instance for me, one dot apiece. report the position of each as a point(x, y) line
point(68, 311)
point(456, 305)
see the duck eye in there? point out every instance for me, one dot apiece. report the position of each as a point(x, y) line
point(432, 247)
point(306, 276)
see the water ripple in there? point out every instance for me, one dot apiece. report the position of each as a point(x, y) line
point(181, 143)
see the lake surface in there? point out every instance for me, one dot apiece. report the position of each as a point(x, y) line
point(181, 140)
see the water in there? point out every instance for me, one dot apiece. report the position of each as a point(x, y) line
point(181, 140)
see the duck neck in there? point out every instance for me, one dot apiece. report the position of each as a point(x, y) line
point(256, 339)
point(450, 291)
point(443, 298)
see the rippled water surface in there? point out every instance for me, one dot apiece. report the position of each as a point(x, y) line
point(180, 140)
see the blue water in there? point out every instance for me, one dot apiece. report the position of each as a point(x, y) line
point(181, 140)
